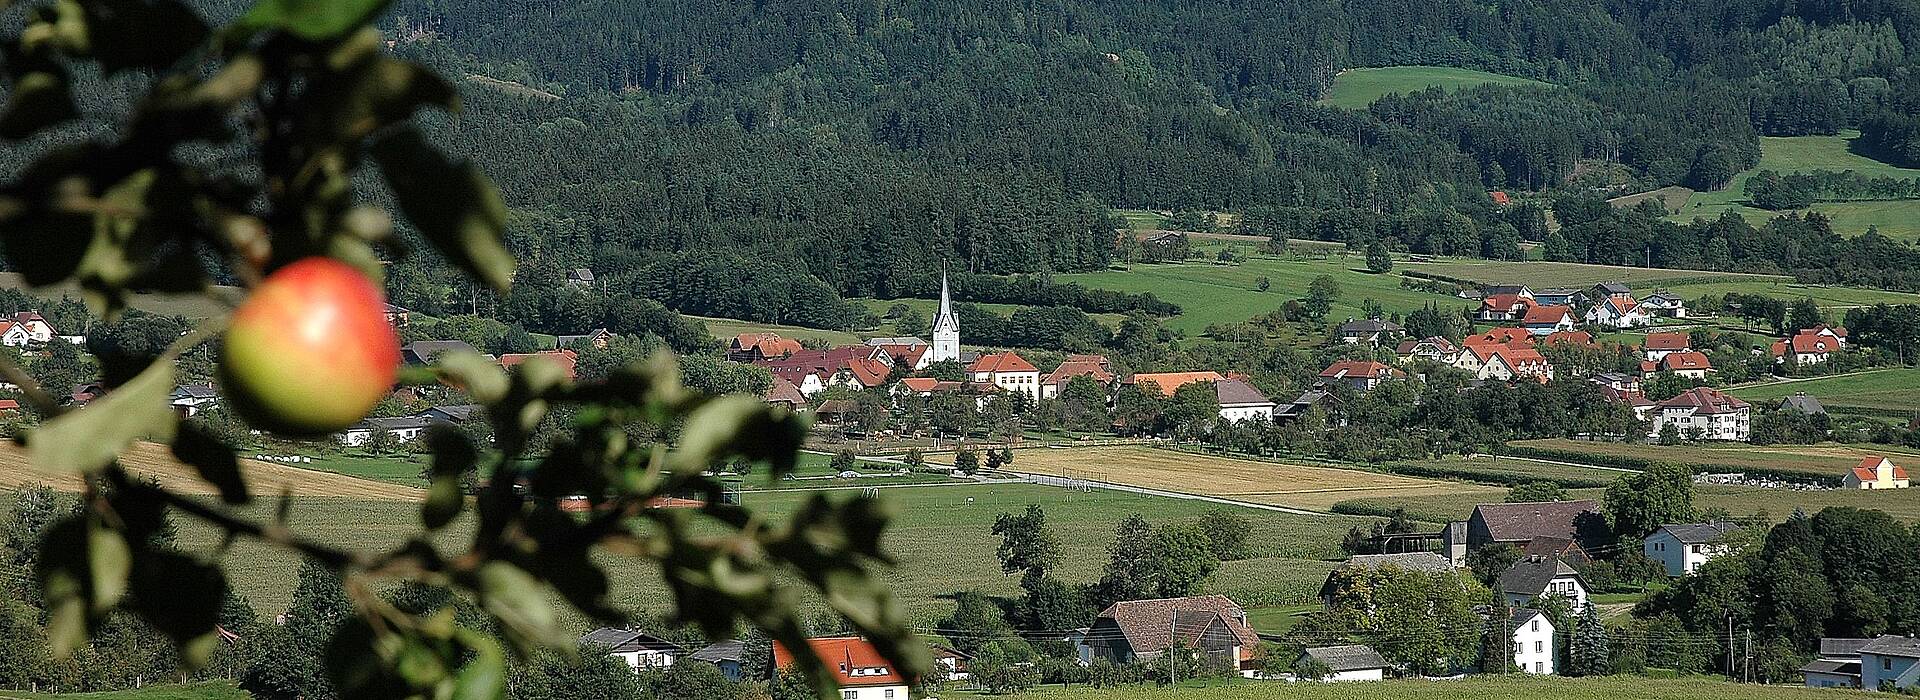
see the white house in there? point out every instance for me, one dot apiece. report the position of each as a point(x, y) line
point(1664, 304)
point(1544, 320)
point(639, 649)
point(36, 326)
point(14, 335)
point(1370, 331)
point(1431, 348)
point(1689, 363)
point(1805, 348)
point(404, 429)
point(857, 667)
point(1618, 312)
point(1539, 577)
point(1240, 401)
point(1838, 665)
point(1533, 649)
point(1702, 413)
point(1007, 371)
point(1875, 473)
point(1352, 662)
point(1359, 374)
point(1683, 548)
point(190, 399)
point(1659, 345)
point(1890, 662)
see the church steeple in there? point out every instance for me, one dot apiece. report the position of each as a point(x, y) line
point(946, 327)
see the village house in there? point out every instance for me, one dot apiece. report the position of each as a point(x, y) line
point(36, 326)
point(1562, 548)
point(1370, 331)
point(1560, 296)
point(760, 347)
point(1874, 474)
point(1143, 630)
point(1683, 548)
point(1837, 665)
point(1087, 366)
point(857, 667)
point(1659, 345)
point(580, 277)
point(564, 360)
point(1351, 662)
point(14, 335)
point(1890, 662)
point(1838, 333)
point(1617, 312)
point(1689, 364)
point(1664, 305)
point(398, 316)
point(1572, 339)
point(1502, 308)
point(1533, 642)
point(784, 393)
point(1542, 320)
point(189, 400)
point(1504, 335)
point(1362, 375)
point(1007, 371)
point(1702, 413)
point(952, 661)
point(1169, 382)
point(1610, 290)
point(638, 649)
point(1517, 524)
point(1405, 561)
point(1804, 403)
point(597, 338)
point(1532, 578)
point(1518, 290)
point(1240, 401)
point(1300, 405)
point(1804, 349)
point(1500, 198)
point(424, 352)
point(852, 366)
point(1432, 348)
point(404, 429)
point(454, 414)
point(1504, 363)
point(727, 655)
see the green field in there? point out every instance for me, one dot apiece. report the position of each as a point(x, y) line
point(1687, 283)
point(1515, 687)
point(1355, 88)
point(1878, 392)
point(1786, 154)
point(942, 539)
point(1776, 504)
point(1828, 459)
point(1210, 294)
point(1506, 470)
point(216, 690)
point(726, 328)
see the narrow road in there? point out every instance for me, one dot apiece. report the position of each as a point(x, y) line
point(1046, 480)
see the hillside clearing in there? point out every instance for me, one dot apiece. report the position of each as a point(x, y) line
point(1687, 283)
point(1825, 460)
point(1219, 294)
point(1671, 198)
point(156, 461)
point(724, 328)
point(1355, 88)
point(1252, 481)
point(1890, 392)
point(1787, 154)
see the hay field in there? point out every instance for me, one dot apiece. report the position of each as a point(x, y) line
point(263, 478)
point(1253, 481)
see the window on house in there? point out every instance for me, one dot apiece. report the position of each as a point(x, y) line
point(1536, 625)
point(849, 695)
point(1886, 664)
point(1519, 648)
point(1538, 646)
point(889, 692)
point(1539, 667)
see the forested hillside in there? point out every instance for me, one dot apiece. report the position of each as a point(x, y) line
point(765, 160)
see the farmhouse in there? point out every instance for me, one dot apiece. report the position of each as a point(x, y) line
point(403, 429)
point(1689, 364)
point(1838, 665)
point(1664, 305)
point(424, 352)
point(1007, 371)
point(1432, 348)
point(565, 360)
point(1875, 473)
point(1407, 561)
point(1890, 661)
point(1618, 312)
point(1517, 524)
point(1169, 382)
point(727, 655)
point(36, 326)
point(1838, 333)
point(639, 649)
point(1542, 320)
point(1299, 406)
point(397, 316)
point(1560, 296)
point(1804, 349)
point(1370, 331)
point(1610, 290)
point(597, 338)
point(1804, 403)
point(580, 277)
point(1240, 401)
point(911, 355)
point(857, 667)
point(1361, 375)
point(14, 335)
point(1701, 413)
point(1501, 308)
point(1514, 337)
point(1563, 548)
point(1517, 290)
point(1352, 662)
point(1574, 339)
point(190, 399)
point(1533, 648)
point(1139, 630)
point(1056, 380)
point(1504, 363)
point(1659, 345)
point(854, 366)
point(759, 347)
point(784, 393)
point(1538, 577)
point(1683, 548)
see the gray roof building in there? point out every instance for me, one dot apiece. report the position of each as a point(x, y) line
point(619, 641)
point(1698, 533)
point(1351, 657)
point(1803, 403)
point(1892, 645)
point(1529, 577)
point(423, 352)
point(1234, 392)
point(1841, 647)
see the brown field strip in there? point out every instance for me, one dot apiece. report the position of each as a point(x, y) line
point(1240, 479)
point(263, 478)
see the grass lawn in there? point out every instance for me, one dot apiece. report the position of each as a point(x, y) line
point(1880, 391)
point(1316, 488)
point(1514, 687)
point(213, 690)
point(1830, 459)
point(929, 307)
point(941, 537)
point(1279, 619)
point(1210, 294)
point(1787, 154)
point(1355, 88)
point(724, 328)
point(1775, 504)
point(1687, 283)
point(1505, 469)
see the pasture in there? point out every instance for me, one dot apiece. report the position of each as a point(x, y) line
point(941, 537)
point(1775, 504)
point(1252, 481)
point(1879, 392)
point(211, 690)
point(1829, 459)
point(1687, 283)
point(1487, 687)
point(1355, 88)
point(1785, 154)
point(726, 328)
point(263, 478)
point(1218, 294)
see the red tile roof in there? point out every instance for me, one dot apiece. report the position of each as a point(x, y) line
point(869, 372)
point(783, 390)
point(1504, 302)
point(1169, 381)
point(1580, 339)
point(1076, 368)
point(767, 344)
point(1358, 368)
point(1704, 400)
point(1502, 336)
point(1668, 341)
point(564, 359)
point(1813, 344)
point(1868, 469)
point(1001, 362)
point(1500, 197)
point(843, 657)
point(1546, 314)
point(1685, 360)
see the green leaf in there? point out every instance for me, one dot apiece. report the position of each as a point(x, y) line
point(40, 99)
point(145, 34)
point(474, 374)
point(452, 203)
point(453, 455)
point(83, 570)
point(214, 461)
point(109, 562)
point(515, 598)
point(90, 438)
point(180, 597)
point(485, 676)
point(742, 426)
point(315, 20)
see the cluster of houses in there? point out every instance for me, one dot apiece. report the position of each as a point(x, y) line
point(1887, 662)
point(1607, 304)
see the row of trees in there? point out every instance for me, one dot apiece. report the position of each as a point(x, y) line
point(1771, 190)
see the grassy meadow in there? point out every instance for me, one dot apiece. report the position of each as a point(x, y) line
point(1253, 481)
point(1212, 294)
point(1882, 392)
point(726, 328)
point(1515, 687)
point(1828, 459)
point(1687, 283)
point(214, 690)
point(1896, 219)
point(1355, 88)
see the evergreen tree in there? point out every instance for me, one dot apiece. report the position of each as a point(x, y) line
point(1590, 655)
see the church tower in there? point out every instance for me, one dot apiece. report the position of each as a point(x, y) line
point(946, 328)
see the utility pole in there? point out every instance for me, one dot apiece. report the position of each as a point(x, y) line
point(1170, 644)
point(1730, 645)
point(1746, 664)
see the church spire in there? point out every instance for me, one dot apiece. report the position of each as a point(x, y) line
point(946, 326)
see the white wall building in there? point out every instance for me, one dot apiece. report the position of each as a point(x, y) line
point(1890, 662)
point(1533, 649)
point(1705, 414)
point(1683, 548)
point(946, 329)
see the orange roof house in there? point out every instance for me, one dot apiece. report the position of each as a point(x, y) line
point(1505, 335)
point(853, 661)
point(1001, 362)
point(1170, 381)
point(1670, 342)
point(1578, 339)
point(564, 359)
point(761, 346)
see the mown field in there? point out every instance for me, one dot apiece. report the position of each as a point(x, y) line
point(1825, 459)
point(1775, 504)
point(263, 478)
point(1355, 88)
point(1505, 470)
point(216, 690)
point(942, 538)
point(1687, 283)
point(1516, 687)
point(1275, 483)
point(726, 328)
point(1897, 219)
point(1210, 294)
point(1881, 392)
